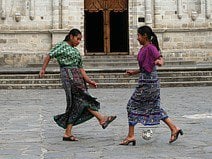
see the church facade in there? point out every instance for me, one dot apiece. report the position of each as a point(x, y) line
point(29, 28)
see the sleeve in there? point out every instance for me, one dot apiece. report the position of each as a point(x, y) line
point(155, 53)
point(55, 51)
point(80, 62)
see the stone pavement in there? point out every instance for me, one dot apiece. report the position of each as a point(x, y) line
point(27, 129)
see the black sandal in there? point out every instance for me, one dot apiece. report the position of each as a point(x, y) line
point(70, 138)
point(127, 142)
point(175, 135)
point(108, 121)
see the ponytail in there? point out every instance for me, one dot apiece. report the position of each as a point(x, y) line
point(154, 41)
point(73, 32)
point(150, 35)
point(67, 38)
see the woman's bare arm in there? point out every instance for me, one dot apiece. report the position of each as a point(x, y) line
point(45, 64)
point(87, 79)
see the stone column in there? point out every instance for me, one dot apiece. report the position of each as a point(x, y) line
point(65, 13)
point(207, 8)
point(179, 9)
point(32, 10)
point(56, 14)
point(133, 25)
point(149, 12)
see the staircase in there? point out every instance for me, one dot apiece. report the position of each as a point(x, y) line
point(109, 72)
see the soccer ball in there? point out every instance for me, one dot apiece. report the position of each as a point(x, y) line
point(147, 134)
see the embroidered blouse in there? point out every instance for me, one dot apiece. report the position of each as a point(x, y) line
point(147, 56)
point(66, 55)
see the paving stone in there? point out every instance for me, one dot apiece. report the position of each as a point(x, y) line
point(28, 131)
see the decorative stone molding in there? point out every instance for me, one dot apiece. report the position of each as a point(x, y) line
point(207, 9)
point(17, 17)
point(179, 9)
point(3, 12)
point(3, 15)
point(195, 9)
point(194, 15)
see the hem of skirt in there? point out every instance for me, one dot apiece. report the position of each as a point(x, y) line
point(64, 127)
point(91, 116)
point(164, 118)
point(133, 124)
point(77, 123)
point(74, 124)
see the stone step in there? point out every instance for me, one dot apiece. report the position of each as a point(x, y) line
point(105, 85)
point(51, 75)
point(108, 77)
point(105, 80)
point(115, 64)
point(116, 61)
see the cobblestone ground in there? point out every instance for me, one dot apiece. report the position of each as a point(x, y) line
point(28, 131)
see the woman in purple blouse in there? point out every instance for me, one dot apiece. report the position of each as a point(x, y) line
point(144, 105)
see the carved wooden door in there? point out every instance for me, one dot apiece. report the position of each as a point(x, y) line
point(108, 13)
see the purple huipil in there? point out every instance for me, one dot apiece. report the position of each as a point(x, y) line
point(147, 56)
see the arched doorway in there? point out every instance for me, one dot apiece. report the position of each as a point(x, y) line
point(106, 27)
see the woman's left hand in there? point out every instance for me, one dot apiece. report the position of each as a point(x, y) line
point(159, 62)
point(93, 84)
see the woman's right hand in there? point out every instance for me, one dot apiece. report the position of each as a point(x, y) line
point(41, 73)
point(129, 72)
point(132, 72)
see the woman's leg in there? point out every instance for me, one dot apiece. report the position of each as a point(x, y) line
point(174, 129)
point(130, 137)
point(131, 132)
point(68, 130)
point(68, 135)
point(101, 118)
point(170, 124)
point(104, 121)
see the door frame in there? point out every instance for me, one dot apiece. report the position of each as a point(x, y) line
point(106, 6)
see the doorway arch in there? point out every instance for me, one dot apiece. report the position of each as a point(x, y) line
point(106, 27)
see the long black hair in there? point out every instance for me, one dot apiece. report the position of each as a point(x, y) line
point(146, 30)
point(73, 32)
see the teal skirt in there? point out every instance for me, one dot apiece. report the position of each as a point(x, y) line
point(77, 97)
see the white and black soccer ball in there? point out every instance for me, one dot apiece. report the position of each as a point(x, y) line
point(147, 134)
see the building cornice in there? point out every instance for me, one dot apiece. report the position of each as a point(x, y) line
point(51, 31)
point(161, 30)
point(62, 31)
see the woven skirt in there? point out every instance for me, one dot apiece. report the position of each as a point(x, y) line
point(144, 105)
point(77, 97)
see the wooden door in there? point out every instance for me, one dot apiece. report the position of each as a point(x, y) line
point(113, 12)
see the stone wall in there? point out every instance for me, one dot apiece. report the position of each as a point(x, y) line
point(29, 28)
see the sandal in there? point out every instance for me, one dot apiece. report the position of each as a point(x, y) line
point(127, 142)
point(108, 121)
point(175, 135)
point(70, 138)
